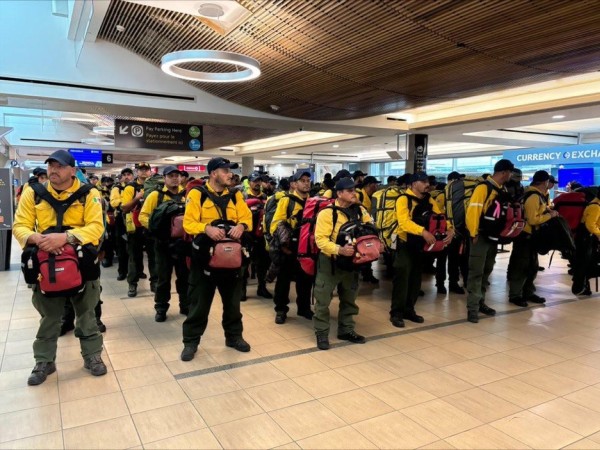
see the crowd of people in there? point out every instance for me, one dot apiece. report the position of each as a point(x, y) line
point(218, 232)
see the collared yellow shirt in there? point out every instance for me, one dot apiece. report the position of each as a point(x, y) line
point(281, 212)
point(151, 203)
point(197, 216)
point(129, 192)
point(404, 216)
point(326, 234)
point(84, 219)
point(535, 209)
point(366, 199)
point(115, 195)
point(479, 203)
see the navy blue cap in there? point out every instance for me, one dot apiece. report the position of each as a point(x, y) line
point(345, 183)
point(170, 169)
point(63, 157)
point(299, 174)
point(419, 176)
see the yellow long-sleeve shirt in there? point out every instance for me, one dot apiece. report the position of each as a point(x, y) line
point(281, 213)
point(115, 196)
point(364, 199)
point(326, 234)
point(535, 209)
point(84, 219)
point(591, 217)
point(151, 203)
point(129, 192)
point(404, 216)
point(480, 202)
point(198, 216)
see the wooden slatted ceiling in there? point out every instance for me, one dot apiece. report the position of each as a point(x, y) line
point(343, 59)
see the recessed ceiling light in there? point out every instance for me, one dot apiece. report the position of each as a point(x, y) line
point(558, 116)
point(335, 145)
point(284, 153)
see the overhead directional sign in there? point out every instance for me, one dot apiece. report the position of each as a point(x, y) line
point(157, 135)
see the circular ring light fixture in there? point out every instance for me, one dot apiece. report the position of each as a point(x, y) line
point(170, 62)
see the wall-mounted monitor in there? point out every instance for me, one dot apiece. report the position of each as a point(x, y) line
point(86, 157)
point(584, 176)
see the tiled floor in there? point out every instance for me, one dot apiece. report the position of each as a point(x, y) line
point(526, 378)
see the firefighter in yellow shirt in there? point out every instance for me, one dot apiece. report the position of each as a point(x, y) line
point(482, 255)
point(524, 257)
point(120, 232)
point(330, 277)
point(370, 184)
point(199, 216)
point(408, 262)
point(33, 220)
point(165, 260)
point(587, 244)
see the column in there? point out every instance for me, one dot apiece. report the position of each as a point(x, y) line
point(416, 153)
point(247, 165)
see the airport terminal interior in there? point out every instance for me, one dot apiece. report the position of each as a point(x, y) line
point(279, 86)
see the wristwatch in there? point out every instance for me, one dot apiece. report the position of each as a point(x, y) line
point(72, 239)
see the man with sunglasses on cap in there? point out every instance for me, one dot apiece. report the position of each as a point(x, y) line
point(200, 215)
point(329, 275)
point(120, 231)
point(483, 251)
point(408, 262)
point(137, 241)
point(33, 221)
point(290, 267)
point(165, 260)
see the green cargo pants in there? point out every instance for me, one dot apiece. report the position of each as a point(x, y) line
point(165, 263)
point(406, 284)
point(524, 265)
point(328, 278)
point(136, 242)
point(51, 311)
point(482, 258)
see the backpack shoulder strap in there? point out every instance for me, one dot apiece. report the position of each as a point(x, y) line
point(61, 206)
point(219, 201)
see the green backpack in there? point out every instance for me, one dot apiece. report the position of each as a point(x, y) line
point(161, 219)
point(154, 183)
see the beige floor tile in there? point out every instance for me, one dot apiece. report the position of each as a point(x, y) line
point(322, 384)
point(342, 438)
point(170, 353)
point(588, 397)
point(437, 356)
point(496, 342)
point(154, 396)
point(437, 337)
point(127, 345)
point(143, 376)
point(297, 366)
point(438, 382)
point(85, 387)
point(551, 382)
point(482, 405)
point(375, 350)
point(29, 422)
point(399, 393)
point(464, 331)
point(255, 375)
point(200, 439)
point(137, 358)
point(16, 362)
point(306, 419)
point(407, 342)
point(208, 385)
point(534, 356)
point(275, 348)
point(403, 364)
point(18, 347)
point(28, 397)
point(572, 416)
point(441, 418)
point(42, 441)
point(579, 372)
point(561, 349)
point(116, 433)
point(519, 393)
point(279, 394)
point(395, 430)
point(338, 357)
point(583, 444)
point(95, 409)
point(474, 373)
point(14, 379)
point(468, 349)
point(535, 431)
point(366, 373)
point(123, 332)
point(441, 444)
point(356, 406)
point(485, 437)
point(288, 446)
point(170, 421)
point(242, 433)
point(505, 364)
point(74, 369)
point(227, 407)
point(590, 359)
point(578, 340)
point(200, 362)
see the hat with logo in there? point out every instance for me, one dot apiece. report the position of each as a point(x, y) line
point(540, 176)
point(126, 170)
point(344, 183)
point(63, 157)
point(455, 176)
point(144, 165)
point(370, 180)
point(170, 169)
point(418, 176)
point(220, 163)
point(502, 165)
point(299, 174)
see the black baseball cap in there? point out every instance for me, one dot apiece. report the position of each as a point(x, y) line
point(39, 171)
point(255, 176)
point(419, 176)
point(553, 180)
point(344, 183)
point(126, 170)
point(342, 174)
point(299, 174)
point(170, 169)
point(540, 176)
point(370, 180)
point(455, 176)
point(502, 165)
point(63, 157)
point(220, 163)
point(184, 173)
point(359, 173)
